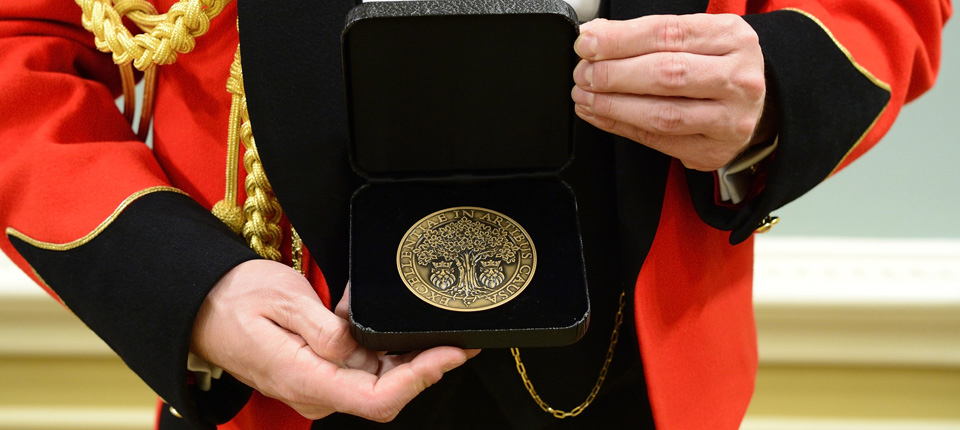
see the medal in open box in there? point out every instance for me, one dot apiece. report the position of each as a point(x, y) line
point(464, 232)
point(466, 259)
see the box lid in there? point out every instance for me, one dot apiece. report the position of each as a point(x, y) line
point(479, 87)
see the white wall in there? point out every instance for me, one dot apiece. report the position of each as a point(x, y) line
point(906, 186)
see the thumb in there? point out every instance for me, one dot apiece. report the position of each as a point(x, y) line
point(343, 307)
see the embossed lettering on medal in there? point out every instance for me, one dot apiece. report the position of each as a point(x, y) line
point(466, 259)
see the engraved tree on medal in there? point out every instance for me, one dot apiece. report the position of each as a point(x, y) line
point(469, 245)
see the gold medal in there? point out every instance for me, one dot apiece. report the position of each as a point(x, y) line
point(466, 259)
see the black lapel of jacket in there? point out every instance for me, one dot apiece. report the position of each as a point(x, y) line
point(641, 171)
point(294, 85)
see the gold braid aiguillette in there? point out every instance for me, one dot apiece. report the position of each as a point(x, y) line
point(466, 259)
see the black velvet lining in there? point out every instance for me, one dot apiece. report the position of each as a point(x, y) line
point(414, 112)
point(139, 285)
point(826, 105)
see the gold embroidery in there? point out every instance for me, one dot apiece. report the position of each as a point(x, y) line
point(227, 209)
point(96, 232)
point(296, 252)
point(866, 73)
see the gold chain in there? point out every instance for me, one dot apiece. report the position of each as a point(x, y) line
point(557, 413)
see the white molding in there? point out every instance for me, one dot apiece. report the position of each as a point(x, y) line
point(858, 301)
point(857, 271)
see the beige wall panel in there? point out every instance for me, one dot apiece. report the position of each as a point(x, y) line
point(857, 392)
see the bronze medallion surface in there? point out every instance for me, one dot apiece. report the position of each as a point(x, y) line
point(466, 259)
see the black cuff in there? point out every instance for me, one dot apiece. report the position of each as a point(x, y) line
point(827, 104)
point(139, 284)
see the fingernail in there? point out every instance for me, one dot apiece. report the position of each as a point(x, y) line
point(452, 365)
point(578, 74)
point(589, 24)
point(582, 97)
point(356, 360)
point(588, 73)
point(584, 112)
point(586, 45)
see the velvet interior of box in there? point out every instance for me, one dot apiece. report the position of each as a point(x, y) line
point(552, 310)
point(451, 87)
point(456, 104)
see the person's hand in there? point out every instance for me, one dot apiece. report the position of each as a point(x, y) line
point(264, 324)
point(690, 86)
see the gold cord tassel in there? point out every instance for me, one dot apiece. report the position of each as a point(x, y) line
point(227, 209)
point(259, 220)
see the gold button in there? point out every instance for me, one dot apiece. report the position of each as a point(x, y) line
point(174, 412)
point(767, 224)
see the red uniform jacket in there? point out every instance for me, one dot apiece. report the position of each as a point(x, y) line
point(121, 234)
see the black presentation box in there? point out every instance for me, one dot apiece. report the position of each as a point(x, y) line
point(463, 104)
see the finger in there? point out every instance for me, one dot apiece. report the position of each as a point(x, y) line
point(382, 399)
point(667, 74)
point(673, 116)
point(694, 151)
point(700, 34)
point(296, 376)
point(591, 24)
point(311, 411)
point(392, 361)
point(327, 334)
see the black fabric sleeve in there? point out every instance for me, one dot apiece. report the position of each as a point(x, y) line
point(139, 285)
point(826, 105)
